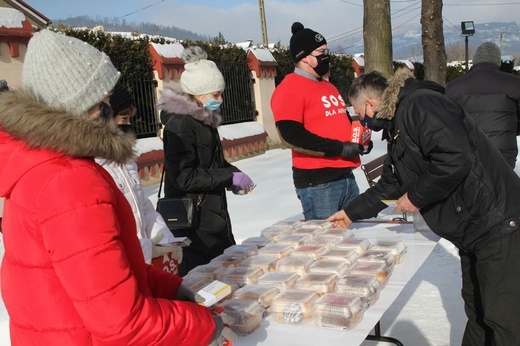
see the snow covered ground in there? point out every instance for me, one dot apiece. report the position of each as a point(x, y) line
point(428, 312)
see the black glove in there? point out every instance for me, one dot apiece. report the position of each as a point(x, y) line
point(369, 149)
point(184, 293)
point(351, 150)
point(222, 331)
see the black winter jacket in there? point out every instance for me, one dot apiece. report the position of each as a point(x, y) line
point(194, 164)
point(492, 98)
point(464, 189)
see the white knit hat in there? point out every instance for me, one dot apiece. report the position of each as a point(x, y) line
point(200, 76)
point(65, 72)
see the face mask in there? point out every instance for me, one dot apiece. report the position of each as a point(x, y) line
point(371, 122)
point(126, 128)
point(212, 104)
point(323, 64)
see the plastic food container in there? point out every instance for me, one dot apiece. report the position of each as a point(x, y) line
point(241, 250)
point(379, 270)
point(321, 224)
point(356, 244)
point(397, 248)
point(278, 250)
point(293, 306)
point(367, 287)
point(293, 240)
point(331, 266)
point(246, 313)
point(310, 231)
point(311, 251)
point(338, 232)
point(383, 256)
point(228, 260)
point(291, 223)
point(320, 283)
point(212, 268)
point(275, 232)
point(347, 255)
point(261, 293)
point(294, 264)
point(257, 241)
point(240, 276)
point(323, 240)
point(337, 311)
point(196, 280)
point(279, 280)
point(266, 263)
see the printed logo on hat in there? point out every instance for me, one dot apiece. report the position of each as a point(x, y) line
point(318, 38)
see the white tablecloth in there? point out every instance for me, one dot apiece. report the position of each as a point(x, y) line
point(419, 246)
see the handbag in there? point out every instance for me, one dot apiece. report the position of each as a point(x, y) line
point(179, 212)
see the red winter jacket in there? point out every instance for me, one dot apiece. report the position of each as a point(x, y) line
point(73, 272)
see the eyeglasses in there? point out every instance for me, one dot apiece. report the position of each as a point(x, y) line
point(325, 51)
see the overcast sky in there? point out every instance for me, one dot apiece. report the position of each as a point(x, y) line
point(239, 20)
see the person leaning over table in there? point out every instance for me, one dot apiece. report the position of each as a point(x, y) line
point(441, 164)
point(73, 272)
point(312, 119)
point(194, 162)
point(152, 231)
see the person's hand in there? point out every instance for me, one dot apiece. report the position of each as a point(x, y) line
point(185, 294)
point(339, 220)
point(160, 250)
point(177, 253)
point(242, 181)
point(404, 205)
point(351, 150)
point(368, 149)
point(222, 330)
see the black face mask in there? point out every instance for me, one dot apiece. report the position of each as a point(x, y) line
point(323, 64)
point(126, 128)
point(372, 123)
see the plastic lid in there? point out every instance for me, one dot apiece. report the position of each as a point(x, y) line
point(397, 248)
point(298, 265)
point(280, 280)
point(337, 311)
point(275, 231)
point(358, 285)
point(265, 262)
point(293, 306)
point(338, 232)
point(264, 294)
point(246, 313)
point(293, 240)
point(383, 256)
point(320, 283)
point(258, 241)
point(334, 266)
point(347, 255)
point(240, 276)
point(241, 250)
point(311, 251)
point(279, 250)
point(356, 244)
point(379, 270)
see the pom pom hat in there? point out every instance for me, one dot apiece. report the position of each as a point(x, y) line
point(488, 52)
point(65, 72)
point(304, 41)
point(200, 76)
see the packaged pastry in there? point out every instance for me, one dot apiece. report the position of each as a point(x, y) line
point(291, 223)
point(310, 231)
point(397, 248)
point(258, 241)
point(338, 232)
point(240, 276)
point(336, 253)
point(212, 268)
point(293, 240)
point(279, 280)
point(241, 250)
point(383, 256)
point(196, 280)
point(320, 283)
point(311, 251)
point(380, 270)
point(266, 263)
point(321, 224)
point(278, 250)
point(246, 313)
point(337, 311)
point(333, 266)
point(228, 260)
point(293, 306)
point(356, 244)
point(275, 232)
point(261, 293)
point(366, 287)
point(294, 264)
point(323, 240)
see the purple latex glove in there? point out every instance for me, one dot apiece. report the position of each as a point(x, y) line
point(242, 181)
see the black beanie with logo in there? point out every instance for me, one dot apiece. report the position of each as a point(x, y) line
point(304, 41)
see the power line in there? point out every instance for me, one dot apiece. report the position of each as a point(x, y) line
point(495, 4)
point(141, 9)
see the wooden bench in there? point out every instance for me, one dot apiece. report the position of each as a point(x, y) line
point(373, 171)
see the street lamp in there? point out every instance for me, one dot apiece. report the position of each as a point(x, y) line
point(468, 29)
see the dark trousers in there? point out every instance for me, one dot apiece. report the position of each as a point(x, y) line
point(491, 293)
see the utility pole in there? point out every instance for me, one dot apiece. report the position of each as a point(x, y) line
point(263, 24)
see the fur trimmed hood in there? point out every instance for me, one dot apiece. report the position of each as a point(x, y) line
point(401, 85)
point(176, 103)
point(41, 127)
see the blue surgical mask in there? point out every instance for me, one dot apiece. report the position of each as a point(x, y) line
point(212, 104)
